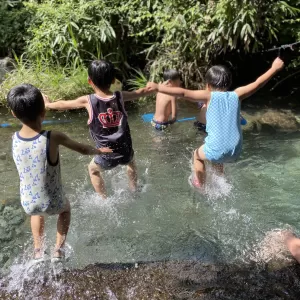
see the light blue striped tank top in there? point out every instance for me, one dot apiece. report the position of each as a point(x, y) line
point(224, 134)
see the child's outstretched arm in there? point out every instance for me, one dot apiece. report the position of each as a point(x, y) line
point(143, 92)
point(59, 138)
point(248, 90)
point(81, 102)
point(194, 96)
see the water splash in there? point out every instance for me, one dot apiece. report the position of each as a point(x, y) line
point(271, 248)
point(26, 270)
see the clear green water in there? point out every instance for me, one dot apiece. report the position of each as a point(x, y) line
point(168, 219)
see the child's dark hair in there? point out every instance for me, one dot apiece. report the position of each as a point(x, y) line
point(219, 77)
point(26, 102)
point(171, 75)
point(102, 73)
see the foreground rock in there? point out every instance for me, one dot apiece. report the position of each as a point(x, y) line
point(166, 280)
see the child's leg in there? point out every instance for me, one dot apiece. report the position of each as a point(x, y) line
point(96, 179)
point(63, 223)
point(199, 166)
point(202, 114)
point(37, 228)
point(132, 175)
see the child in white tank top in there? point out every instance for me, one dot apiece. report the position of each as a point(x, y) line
point(36, 156)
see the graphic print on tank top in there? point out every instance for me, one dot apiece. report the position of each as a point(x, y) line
point(108, 123)
point(110, 118)
point(40, 181)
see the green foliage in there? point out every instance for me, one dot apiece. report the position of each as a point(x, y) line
point(15, 19)
point(57, 83)
point(67, 32)
point(151, 34)
point(189, 34)
point(138, 80)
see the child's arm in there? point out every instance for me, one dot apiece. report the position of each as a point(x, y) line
point(61, 139)
point(194, 96)
point(248, 90)
point(81, 102)
point(143, 92)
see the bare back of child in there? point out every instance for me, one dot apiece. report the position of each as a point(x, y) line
point(166, 109)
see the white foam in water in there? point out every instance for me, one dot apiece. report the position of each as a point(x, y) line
point(25, 269)
point(271, 248)
point(216, 186)
point(111, 295)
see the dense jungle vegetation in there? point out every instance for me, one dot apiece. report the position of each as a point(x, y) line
point(53, 40)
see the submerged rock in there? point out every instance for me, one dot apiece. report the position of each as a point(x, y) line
point(163, 280)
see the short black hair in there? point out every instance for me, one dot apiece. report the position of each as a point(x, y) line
point(219, 77)
point(102, 73)
point(171, 75)
point(26, 101)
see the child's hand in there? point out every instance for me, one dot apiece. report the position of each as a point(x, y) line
point(278, 64)
point(152, 86)
point(105, 150)
point(46, 99)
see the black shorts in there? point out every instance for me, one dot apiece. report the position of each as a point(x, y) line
point(200, 126)
point(108, 162)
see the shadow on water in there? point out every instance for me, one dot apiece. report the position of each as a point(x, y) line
point(165, 280)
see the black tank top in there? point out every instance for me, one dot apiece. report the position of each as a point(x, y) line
point(108, 123)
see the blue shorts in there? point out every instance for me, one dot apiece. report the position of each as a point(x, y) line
point(108, 162)
point(222, 157)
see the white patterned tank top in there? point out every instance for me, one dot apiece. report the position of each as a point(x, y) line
point(40, 181)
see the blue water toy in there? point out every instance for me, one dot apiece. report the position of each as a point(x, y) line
point(147, 118)
point(46, 122)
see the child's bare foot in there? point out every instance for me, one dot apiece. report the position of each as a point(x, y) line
point(37, 253)
point(59, 255)
point(196, 184)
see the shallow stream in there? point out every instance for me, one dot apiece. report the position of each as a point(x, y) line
point(167, 219)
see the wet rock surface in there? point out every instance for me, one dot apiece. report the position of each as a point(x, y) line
point(272, 121)
point(166, 280)
point(12, 219)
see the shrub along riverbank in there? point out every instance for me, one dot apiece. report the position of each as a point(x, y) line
point(57, 38)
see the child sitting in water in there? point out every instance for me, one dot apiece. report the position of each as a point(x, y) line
point(36, 155)
point(166, 104)
point(224, 136)
point(107, 123)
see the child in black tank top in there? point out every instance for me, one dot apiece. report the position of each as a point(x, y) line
point(107, 123)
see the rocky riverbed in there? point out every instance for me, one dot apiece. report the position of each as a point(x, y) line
point(12, 221)
point(165, 280)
